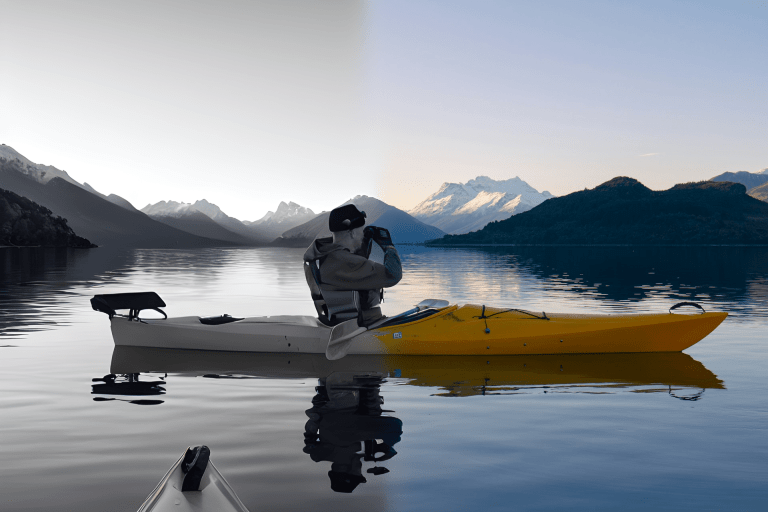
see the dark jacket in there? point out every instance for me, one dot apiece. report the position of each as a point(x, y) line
point(341, 270)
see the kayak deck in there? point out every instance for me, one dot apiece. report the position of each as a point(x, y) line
point(455, 330)
point(477, 330)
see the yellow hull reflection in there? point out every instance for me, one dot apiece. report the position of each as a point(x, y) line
point(462, 331)
point(462, 375)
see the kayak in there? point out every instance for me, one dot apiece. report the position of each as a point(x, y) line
point(468, 329)
point(193, 484)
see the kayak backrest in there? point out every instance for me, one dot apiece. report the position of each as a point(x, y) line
point(312, 275)
point(133, 302)
point(332, 306)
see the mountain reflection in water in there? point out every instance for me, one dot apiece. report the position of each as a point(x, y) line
point(734, 279)
point(45, 287)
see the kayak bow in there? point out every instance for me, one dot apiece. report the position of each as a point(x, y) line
point(193, 484)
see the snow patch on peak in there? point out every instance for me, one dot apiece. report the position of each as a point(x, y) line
point(38, 172)
point(287, 214)
point(180, 209)
point(463, 207)
point(168, 209)
point(483, 200)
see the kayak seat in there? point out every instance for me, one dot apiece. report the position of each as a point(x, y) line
point(133, 302)
point(218, 320)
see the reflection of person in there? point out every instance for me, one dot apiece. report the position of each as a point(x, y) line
point(342, 272)
point(346, 416)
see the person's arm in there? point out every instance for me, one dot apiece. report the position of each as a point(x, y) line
point(393, 265)
point(346, 271)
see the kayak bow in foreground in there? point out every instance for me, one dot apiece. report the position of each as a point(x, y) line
point(453, 330)
point(193, 484)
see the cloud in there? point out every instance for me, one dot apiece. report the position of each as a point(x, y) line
point(650, 154)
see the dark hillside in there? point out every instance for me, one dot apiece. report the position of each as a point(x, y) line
point(97, 219)
point(760, 192)
point(24, 223)
point(624, 211)
point(748, 179)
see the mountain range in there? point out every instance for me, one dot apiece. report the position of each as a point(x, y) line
point(287, 216)
point(191, 217)
point(45, 173)
point(403, 227)
point(463, 207)
point(624, 211)
point(110, 220)
point(95, 218)
point(457, 208)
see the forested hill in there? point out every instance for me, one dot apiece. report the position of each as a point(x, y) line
point(624, 211)
point(26, 223)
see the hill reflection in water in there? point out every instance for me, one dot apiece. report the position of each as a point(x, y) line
point(734, 279)
point(45, 287)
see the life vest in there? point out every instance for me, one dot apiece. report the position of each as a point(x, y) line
point(336, 306)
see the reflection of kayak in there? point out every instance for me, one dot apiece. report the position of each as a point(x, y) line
point(463, 375)
point(453, 330)
point(193, 484)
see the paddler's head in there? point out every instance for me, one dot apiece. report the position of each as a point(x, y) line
point(342, 481)
point(347, 223)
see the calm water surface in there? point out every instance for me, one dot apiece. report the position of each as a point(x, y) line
point(638, 432)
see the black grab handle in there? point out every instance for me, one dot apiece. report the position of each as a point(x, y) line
point(193, 467)
point(681, 304)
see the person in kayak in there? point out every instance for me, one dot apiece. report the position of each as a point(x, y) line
point(347, 272)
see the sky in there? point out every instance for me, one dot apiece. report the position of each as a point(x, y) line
point(248, 103)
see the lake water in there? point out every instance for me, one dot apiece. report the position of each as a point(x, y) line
point(587, 432)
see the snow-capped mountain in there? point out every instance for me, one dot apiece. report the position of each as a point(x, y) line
point(403, 227)
point(463, 207)
point(181, 210)
point(169, 209)
point(285, 212)
point(287, 216)
point(39, 172)
point(44, 173)
point(100, 219)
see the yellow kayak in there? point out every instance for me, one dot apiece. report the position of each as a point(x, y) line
point(478, 330)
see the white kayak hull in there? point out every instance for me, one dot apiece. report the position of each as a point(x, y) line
point(277, 334)
point(215, 494)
